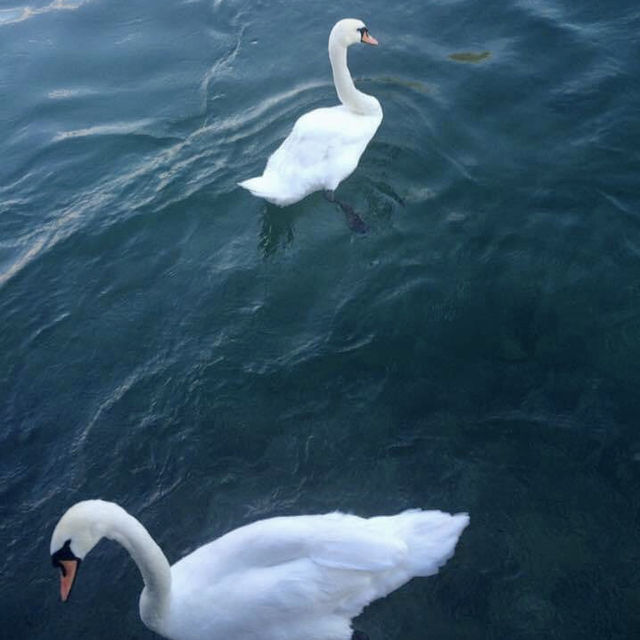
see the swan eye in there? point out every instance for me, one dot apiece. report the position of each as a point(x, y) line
point(364, 32)
point(63, 553)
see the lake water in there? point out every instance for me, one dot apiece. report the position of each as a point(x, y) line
point(169, 342)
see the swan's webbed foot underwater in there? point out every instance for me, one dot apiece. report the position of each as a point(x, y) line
point(355, 223)
point(359, 635)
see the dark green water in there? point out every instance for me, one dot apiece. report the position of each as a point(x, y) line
point(169, 342)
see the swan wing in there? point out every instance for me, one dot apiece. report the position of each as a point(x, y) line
point(335, 540)
point(282, 578)
point(358, 549)
point(323, 149)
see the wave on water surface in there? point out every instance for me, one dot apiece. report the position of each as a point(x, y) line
point(19, 14)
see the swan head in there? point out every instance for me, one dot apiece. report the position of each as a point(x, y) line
point(351, 31)
point(77, 532)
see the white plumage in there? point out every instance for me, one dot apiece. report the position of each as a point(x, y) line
point(283, 578)
point(325, 144)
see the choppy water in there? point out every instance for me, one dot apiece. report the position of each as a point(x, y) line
point(169, 342)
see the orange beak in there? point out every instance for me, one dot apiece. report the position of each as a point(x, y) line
point(67, 576)
point(368, 38)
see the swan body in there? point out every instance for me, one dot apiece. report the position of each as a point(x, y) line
point(283, 578)
point(325, 144)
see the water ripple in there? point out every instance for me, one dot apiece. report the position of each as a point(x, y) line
point(19, 14)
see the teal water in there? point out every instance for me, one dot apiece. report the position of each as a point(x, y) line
point(169, 342)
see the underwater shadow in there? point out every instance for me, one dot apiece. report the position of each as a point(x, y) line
point(278, 223)
point(277, 230)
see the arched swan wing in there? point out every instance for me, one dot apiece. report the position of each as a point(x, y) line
point(323, 148)
point(336, 540)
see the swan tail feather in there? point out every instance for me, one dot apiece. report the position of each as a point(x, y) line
point(255, 185)
point(261, 187)
point(431, 538)
point(418, 543)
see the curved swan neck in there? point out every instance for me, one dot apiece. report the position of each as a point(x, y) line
point(151, 562)
point(347, 93)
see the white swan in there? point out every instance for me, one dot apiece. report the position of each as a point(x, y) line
point(284, 578)
point(325, 145)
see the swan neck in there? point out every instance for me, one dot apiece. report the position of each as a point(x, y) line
point(151, 562)
point(350, 97)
